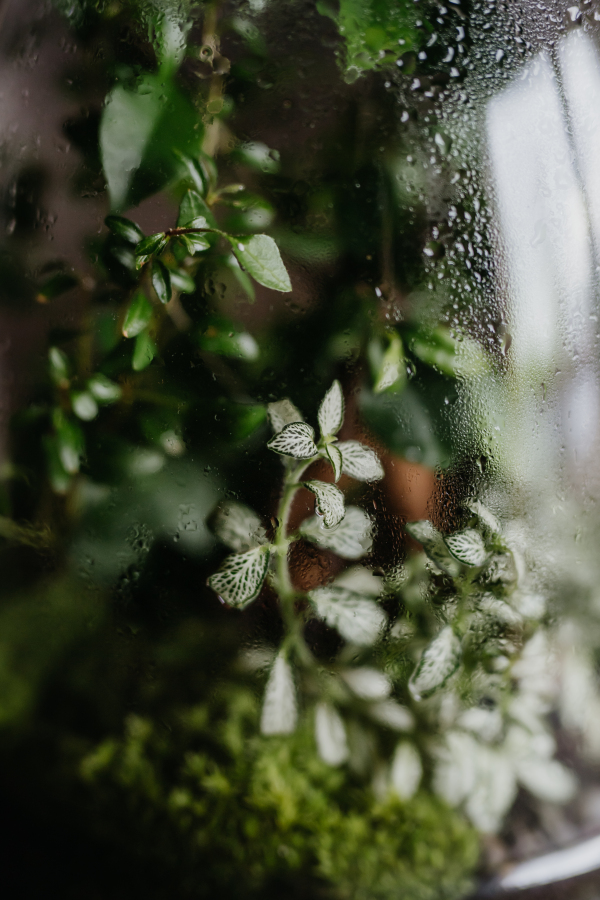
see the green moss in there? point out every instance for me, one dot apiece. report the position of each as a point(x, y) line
point(227, 810)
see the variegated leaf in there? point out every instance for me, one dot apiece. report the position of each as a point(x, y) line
point(295, 440)
point(237, 526)
point(406, 771)
point(351, 539)
point(467, 547)
point(283, 413)
point(280, 710)
point(438, 662)
point(392, 715)
point(330, 501)
point(331, 410)
point(367, 683)
point(335, 458)
point(360, 462)
point(357, 620)
point(330, 735)
point(485, 516)
point(434, 546)
point(240, 578)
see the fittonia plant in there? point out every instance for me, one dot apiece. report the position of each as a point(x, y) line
point(443, 664)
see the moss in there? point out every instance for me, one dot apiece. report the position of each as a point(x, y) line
point(227, 810)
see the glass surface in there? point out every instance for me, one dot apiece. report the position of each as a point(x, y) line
point(298, 442)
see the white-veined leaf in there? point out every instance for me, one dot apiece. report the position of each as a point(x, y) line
point(434, 546)
point(367, 683)
point(454, 775)
point(360, 462)
point(494, 790)
point(240, 578)
point(330, 501)
point(357, 620)
point(438, 662)
point(351, 539)
point(360, 581)
point(295, 440)
point(546, 779)
point(330, 735)
point(467, 547)
point(331, 410)
point(499, 609)
point(280, 710)
point(392, 715)
point(406, 771)
point(335, 458)
point(485, 516)
point(237, 526)
point(283, 413)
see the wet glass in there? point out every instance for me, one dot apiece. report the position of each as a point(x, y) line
point(298, 437)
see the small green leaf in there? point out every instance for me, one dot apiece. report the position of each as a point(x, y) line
point(295, 440)
point(335, 458)
point(202, 171)
point(467, 547)
point(438, 662)
point(182, 282)
point(194, 243)
point(282, 413)
point(84, 405)
point(103, 389)
point(280, 709)
point(260, 256)
point(161, 281)
point(241, 277)
point(59, 366)
point(192, 206)
point(69, 441)
point(331, 411)
point(358, 620)
point(149, 247)
point(138, 315)
point(237, 526)
point(351, 539)
point(360, 462)
point(58, 476)
point(144, 352)
point(391, 370)
point(240, 578)
point(57, 284)
point(330, 500)
point(124, 228)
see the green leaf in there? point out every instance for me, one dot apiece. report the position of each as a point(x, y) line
point(434, 546)
point(103, 389)
point(139, 132)
point(360, 462)
point(280, 709)
point(193, 207)
point(124, 228)
point(358, 620)
point(149, 247)
point(282, 413)
point(260, 256)
point(202, 171)
point(295, 440)
point(57, 284)
point(237, 526)
point(161, 281)
point(391, 368)
point(240, 578)
point(182, 281)
point(194, 243)
point(70, 442)
point(84, 405)
point(59, 366)
point(330, 500)
point(241, 277)
point(438, 662)
point(331, 411)
point(222, 338)
point(144, 352)
point(330, 735)
point(138, 315)
point(58, 476)
point(335, 458)
point(351, 539)
point(467, 547)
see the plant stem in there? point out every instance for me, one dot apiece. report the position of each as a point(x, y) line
point(283, 582)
